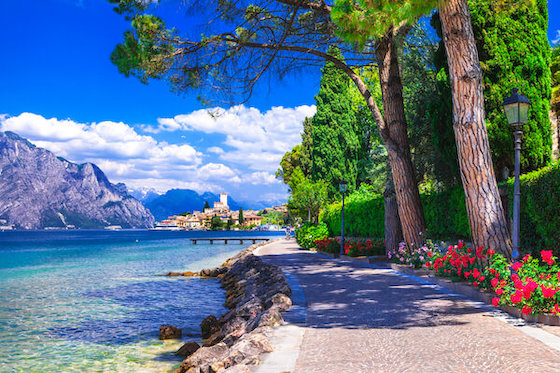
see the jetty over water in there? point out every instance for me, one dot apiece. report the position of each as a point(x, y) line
point(226, 240)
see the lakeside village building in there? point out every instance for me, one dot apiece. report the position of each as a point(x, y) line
point(202, 220)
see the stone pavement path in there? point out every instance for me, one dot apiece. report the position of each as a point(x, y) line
point(363, 319)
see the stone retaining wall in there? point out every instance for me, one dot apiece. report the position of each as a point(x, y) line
point(256, 294)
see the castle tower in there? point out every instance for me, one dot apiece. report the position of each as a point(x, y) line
point(223, 199)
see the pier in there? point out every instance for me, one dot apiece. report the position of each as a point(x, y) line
point(253, 239)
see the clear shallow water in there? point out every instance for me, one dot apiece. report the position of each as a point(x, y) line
point(92, 301)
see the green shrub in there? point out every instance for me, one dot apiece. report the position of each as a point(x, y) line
point(540, 206)
point(446, 215)
point(309, 233)
point(363, 214)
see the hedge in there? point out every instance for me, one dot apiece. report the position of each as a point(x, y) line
point(446, 215)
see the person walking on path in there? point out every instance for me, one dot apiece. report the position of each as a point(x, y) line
point(366, 319)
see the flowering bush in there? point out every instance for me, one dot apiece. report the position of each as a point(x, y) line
point(528, 284)
point(415, 258)
point(352, 247)
point(462, 263)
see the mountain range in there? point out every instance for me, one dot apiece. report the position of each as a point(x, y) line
point(39, 189)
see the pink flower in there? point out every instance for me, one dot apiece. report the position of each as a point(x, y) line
point(496, 301)
point(516, 266)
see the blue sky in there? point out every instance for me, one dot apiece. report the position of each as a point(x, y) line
point(59, 89)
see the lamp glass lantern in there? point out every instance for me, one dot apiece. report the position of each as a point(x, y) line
point(343, 186)
point(516, 108)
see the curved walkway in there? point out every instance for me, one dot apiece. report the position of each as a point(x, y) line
point(365, 319)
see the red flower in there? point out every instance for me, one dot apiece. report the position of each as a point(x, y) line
point(482, 278)
point(515, 266)
point(556, 309)
point(527, 310)
point(548, 292)
point(503, 283)
point(494, 282)
point(495, 301)
point(526, 258)
point(518, 284)
point(514, 277)
point(547, 257)
point(491, 252)
point(492, 271)
point(475, 284)
point(475, 273)
point(467, 274)
point(499, 291)
point(516, 297)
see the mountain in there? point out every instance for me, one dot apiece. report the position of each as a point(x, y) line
point(39, 189)
point(177, 201)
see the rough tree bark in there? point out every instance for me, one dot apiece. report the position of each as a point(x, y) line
point(484, 208)
point(395, 138)
point(393, 231)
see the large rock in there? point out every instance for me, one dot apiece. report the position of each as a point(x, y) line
point(169, 332)
point(188, 349)
point(250, 309)
point(280, 301)
point(240, 368)
point(209, 326)
point(271, 318)
point(204, 356)
point(39, 189)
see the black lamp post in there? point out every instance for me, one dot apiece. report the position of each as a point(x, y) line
point(343, 187)
point(516, 108)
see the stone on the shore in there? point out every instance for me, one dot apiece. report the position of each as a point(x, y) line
point(204, 356)
point(188, 349)
point(169, 332)
point(240, 368)
point(250, 309)
point(271, 317)
point(209, 326)
point(279, 301)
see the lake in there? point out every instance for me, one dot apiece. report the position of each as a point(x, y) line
point(91, 301)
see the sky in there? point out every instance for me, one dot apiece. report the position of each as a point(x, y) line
point(59, 89)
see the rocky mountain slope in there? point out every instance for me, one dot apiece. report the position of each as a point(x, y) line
point(39, 189)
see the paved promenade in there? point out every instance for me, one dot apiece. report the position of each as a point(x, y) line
point(363, 319)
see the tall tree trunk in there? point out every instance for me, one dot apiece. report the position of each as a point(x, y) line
point(393, 230)
point(395, 138)
point(484, 208)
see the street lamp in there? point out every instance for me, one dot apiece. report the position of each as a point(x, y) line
point(516, 108)
point(343, 187)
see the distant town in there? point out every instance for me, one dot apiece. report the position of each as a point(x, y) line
point(220, 217)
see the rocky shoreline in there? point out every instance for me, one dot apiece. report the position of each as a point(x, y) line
point(257, 294)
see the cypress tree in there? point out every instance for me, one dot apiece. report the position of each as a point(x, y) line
point(513, 49)
point(241, 219)
point(335, 132)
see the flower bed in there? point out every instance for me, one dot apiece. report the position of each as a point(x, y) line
point(413, 258)
point(530, 286)
point(352, 246)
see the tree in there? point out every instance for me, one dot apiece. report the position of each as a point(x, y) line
point(241, 219)
point(484, 208)
point(336, 137)
point(308, 196)
point(512, 43)
point(555, 103)
point(275, 37)
point(216, 223)
point(206, 205)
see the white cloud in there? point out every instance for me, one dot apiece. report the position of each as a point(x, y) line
point(215, 150)
point(258, 139)
point(556, 38)
point(253, 145)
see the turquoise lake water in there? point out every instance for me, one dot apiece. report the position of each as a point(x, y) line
point(93, 301)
